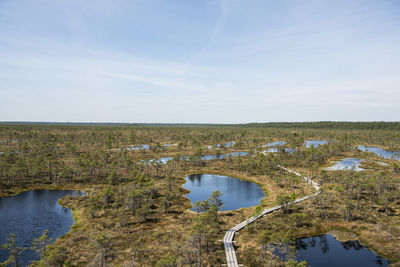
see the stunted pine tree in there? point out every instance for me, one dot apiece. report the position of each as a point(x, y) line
point(40, 244)
point(14, 252)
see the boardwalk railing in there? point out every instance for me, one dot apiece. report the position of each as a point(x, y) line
point(231, 259)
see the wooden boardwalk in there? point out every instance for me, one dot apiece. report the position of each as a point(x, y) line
point(231, 259)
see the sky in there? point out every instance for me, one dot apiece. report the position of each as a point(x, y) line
point(208, 61)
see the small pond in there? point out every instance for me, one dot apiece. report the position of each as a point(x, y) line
point(28, 214)
point(325, 250)
point(222, 156)
point(10, 141)
point(169, 145)
point(346, 164)
point(164, 160)
point(380, 152)
point(236, 193)
point(12, 152)
point(315, 143)
point(226, 144)
point(276, 150)
point(138, 147)
point(277, 143)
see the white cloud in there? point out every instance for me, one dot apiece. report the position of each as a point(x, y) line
point(343, 63)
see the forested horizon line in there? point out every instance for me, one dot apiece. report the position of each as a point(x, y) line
point(362, 125)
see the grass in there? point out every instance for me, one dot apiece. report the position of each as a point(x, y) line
point(370, 234)
point(167, 233)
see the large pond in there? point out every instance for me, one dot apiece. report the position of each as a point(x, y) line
point(236, 193)
point(28, 214)
point(380, 152)
point(325, 250)
point(346, 164)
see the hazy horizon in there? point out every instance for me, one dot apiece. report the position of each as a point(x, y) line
point(183, 123)
point(207, 62)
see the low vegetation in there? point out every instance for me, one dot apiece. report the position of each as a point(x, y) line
point(135, 212)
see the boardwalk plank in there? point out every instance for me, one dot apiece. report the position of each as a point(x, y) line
point(230, 253)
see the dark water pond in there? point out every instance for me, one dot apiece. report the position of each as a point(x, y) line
point(236, 193)
point(315, 143)
point(325, 250)
point(28, 214)
point(346, 164)
point(380, 152)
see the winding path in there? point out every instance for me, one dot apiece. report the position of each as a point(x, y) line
point(231, 259)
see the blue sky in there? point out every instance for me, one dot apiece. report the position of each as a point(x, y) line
point(208, 61)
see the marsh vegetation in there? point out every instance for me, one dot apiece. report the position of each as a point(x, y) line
point(135, 210)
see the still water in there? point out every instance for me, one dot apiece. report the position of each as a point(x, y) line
point(315, 143)
point(325, 250)
point(138, 147)
point(277, 143)
point(277, 150)
point(28, 214)
point(236, 193)
point(380, 152)
point(226, 144)
point(346, 164)
point(222, 156)
point(164, 160)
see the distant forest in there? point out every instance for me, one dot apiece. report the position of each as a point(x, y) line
point(374, 125)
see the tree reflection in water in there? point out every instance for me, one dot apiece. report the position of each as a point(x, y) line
point(313, 241)
point(326, 250)
point(352, 244)
point(301, 244)
point(323, 243)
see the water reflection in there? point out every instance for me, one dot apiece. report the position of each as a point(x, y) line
point(277, 143)
point(346, 164)
point(164, 160)
point(226, 144)
point(28, 214)
point(138, 147)
point(277, 150)
point(315, 143)
point(380, 152)
point(222, 156)
point(236, 193)
point(325, 250)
